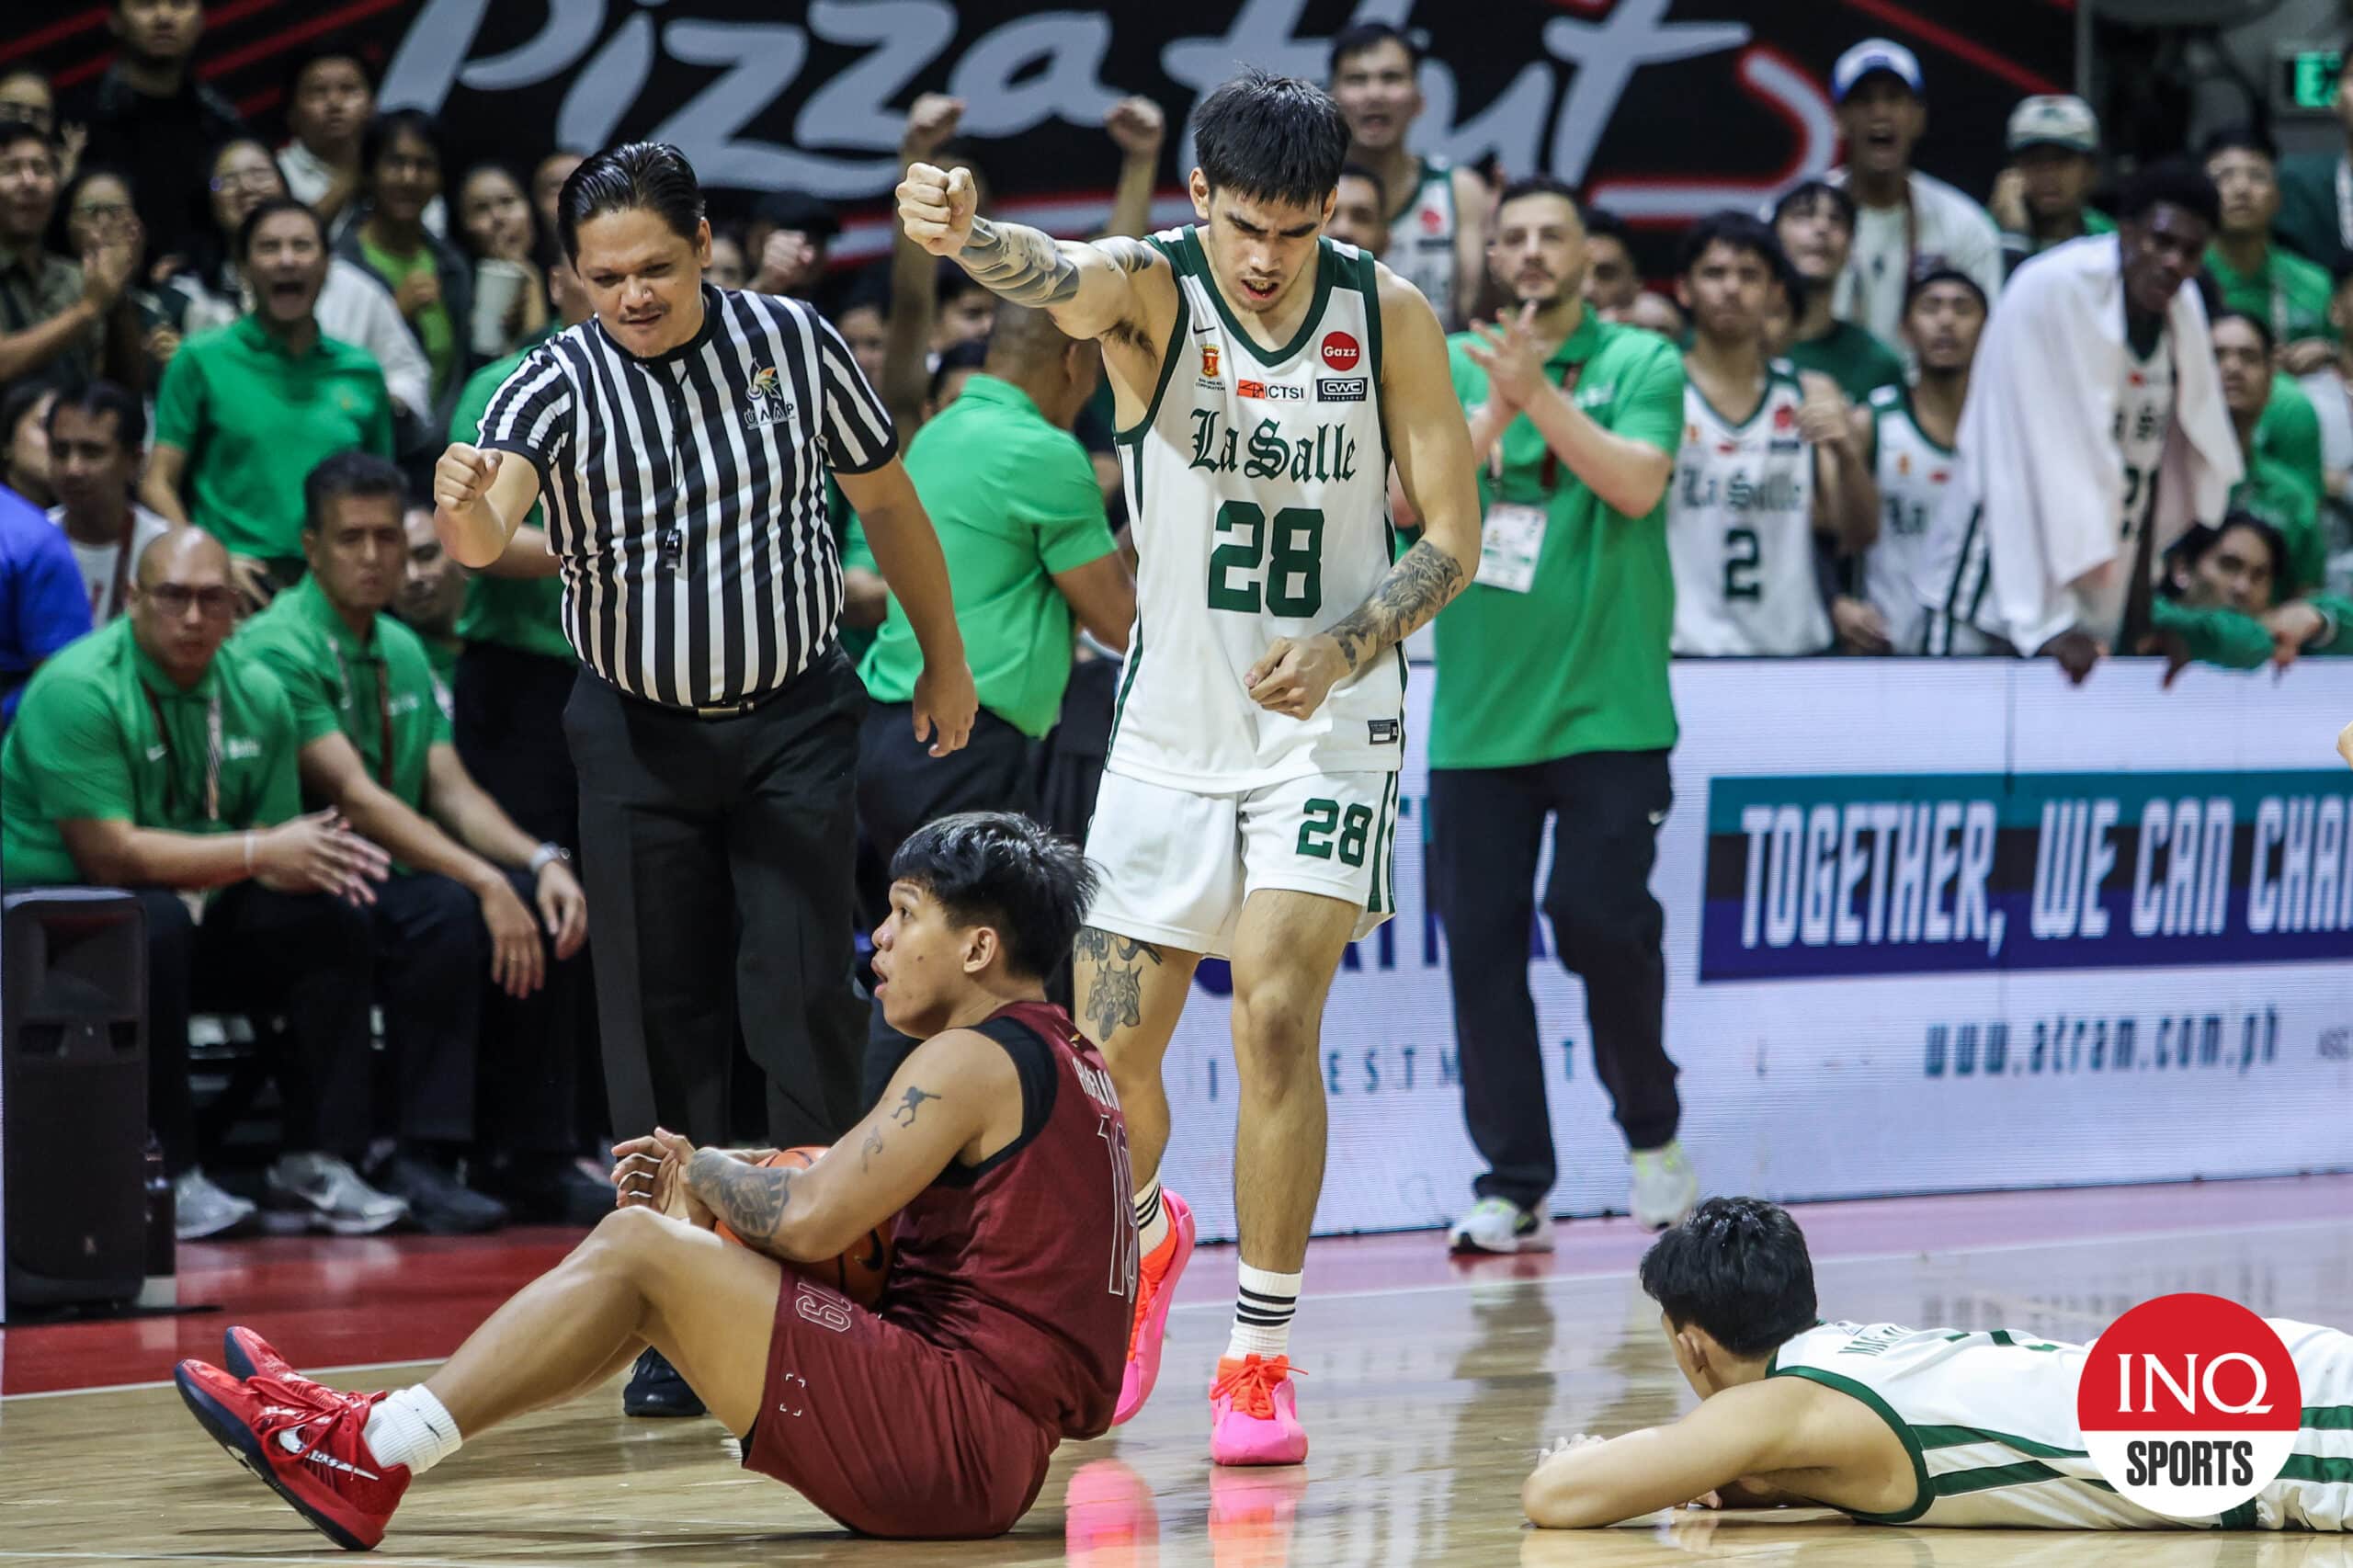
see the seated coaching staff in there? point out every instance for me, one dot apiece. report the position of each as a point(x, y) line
point(682, 436)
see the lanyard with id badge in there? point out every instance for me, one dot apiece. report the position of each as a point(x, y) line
point(1511, 535)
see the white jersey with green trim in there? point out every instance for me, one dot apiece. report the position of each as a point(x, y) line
point(1257, 486)
point(1421, 239)
point(1913, 471)
point(1989, 1420)
point(1740, 529)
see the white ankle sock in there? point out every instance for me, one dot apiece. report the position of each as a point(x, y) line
point(411, 1428)
point(1263, 1304)
point(1151, 1217)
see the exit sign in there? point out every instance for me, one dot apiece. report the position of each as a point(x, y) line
point(2307, 80)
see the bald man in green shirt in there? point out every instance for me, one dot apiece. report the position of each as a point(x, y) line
point(148, 756)
point(1029, 551)
point(472, 897)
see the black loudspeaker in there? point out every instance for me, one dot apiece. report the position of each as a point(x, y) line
point(73, 1096)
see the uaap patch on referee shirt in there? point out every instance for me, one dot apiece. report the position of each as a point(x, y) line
point(765, 399)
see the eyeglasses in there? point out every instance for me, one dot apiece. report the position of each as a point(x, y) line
point(173, 601)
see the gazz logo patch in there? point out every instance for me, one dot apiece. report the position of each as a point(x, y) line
point(765, 400)
point(1339, 389)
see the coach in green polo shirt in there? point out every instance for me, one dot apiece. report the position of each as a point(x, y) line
point(375, 745)
point(2287, 294)
point(1020, 520)
point(516, 670)
point(147, 755)
point(1553, 700)
point(246, 412)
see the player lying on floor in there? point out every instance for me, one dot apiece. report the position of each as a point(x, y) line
point(1002, 1328)
point(1892, 1425)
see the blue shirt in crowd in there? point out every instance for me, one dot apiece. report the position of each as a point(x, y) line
point(42, 603)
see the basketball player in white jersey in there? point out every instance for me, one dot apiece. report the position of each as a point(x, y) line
point(1909, 433)
point(1892, 1425)
point(1438, 213)
point(1263, 376)
point(1767, 462)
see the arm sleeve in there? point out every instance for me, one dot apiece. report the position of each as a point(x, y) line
point(531, 411)
point(281, 797)
point(2215, 636)
point(84, 771)
point(1651, 400)
point(1072, 527)
point(179, 402)
point(53, 607)
point(857, 429)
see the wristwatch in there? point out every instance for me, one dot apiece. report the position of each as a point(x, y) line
point(546, 853)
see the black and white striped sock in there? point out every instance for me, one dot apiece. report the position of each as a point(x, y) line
point(1152, 1218)
point(1264, 1303)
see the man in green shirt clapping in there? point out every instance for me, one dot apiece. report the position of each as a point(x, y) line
point(148, 756)
point(1553, 701)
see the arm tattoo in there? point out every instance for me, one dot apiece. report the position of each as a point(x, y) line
point(1115, 996)
point(1022, 264)
point(867, 1149)
point(1417, 588)
point(904, 1113)
point(750, 1199)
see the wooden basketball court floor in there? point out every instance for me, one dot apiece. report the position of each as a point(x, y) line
point(1430, 1385)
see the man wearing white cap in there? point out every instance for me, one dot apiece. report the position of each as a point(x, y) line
point(2039, 200)
point(1906, 223)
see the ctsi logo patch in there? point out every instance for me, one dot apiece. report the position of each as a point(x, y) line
point(2189, 1405)
point(1340, 351)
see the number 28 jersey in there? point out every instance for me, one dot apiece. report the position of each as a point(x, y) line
point(1740, 529)
point(1257, 482)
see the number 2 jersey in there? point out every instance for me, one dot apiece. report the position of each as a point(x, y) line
point(1989, 1420)
point(1258, 485)
point(1740, 529)
point(1026, 1262)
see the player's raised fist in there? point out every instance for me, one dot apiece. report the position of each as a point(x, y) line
point(462, 476)
point(936, 207)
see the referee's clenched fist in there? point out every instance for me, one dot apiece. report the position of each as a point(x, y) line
point(462, 476)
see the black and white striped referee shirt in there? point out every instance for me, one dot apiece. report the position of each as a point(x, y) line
point(686, 494)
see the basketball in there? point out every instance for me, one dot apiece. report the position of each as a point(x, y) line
point(858, 1273)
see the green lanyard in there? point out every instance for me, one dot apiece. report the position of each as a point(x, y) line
point(211, 756)
point(383, 708)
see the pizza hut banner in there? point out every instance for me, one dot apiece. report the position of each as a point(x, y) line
point(1662, 110)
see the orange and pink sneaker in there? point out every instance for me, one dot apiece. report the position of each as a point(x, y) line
point(1253, 1413)
point(305, 1442)
point(1155, 1289)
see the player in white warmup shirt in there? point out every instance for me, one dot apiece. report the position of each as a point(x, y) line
point(1265, 377)
point(1437, 211)
point(1767, 461)
point(1909, 433)
point(1891, 1425)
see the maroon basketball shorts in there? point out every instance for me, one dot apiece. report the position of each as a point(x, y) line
point(886, 1431)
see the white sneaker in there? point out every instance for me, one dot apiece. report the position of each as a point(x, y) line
point(333, 1194)
point(1665, 1187)
point(1497, 1225)
point(200, 1209)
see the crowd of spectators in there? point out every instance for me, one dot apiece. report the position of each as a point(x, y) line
point(245, 680)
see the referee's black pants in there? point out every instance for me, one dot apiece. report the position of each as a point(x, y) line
point(1487, 830)
point(718, 857)
point(901, 786)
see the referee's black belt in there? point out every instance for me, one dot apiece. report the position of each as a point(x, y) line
point(734, 710)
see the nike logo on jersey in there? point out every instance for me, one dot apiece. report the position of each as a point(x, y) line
point(292, 1441)
point(157, 754)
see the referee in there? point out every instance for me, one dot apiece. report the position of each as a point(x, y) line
point(682, 438)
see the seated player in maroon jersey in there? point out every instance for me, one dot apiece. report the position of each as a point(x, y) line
point(1001, 1329)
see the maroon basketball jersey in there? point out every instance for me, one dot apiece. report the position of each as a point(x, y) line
point(1027, 1262)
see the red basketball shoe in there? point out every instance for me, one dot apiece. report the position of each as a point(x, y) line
point(245, 1354)
point(304, 1440)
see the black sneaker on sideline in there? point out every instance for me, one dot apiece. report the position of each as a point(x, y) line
point(551, 1189)
point(656, 1389)
point(438, 1201)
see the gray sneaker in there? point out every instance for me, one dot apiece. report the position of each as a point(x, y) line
point(1665, 1187)
point(1499, 1225)
point(333, 1195)
point(200, 1210)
